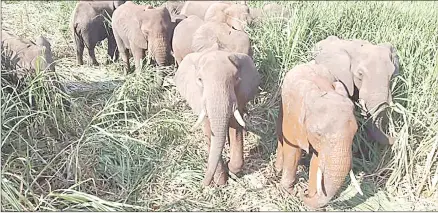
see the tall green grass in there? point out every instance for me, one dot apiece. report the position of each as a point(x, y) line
point(128, 147)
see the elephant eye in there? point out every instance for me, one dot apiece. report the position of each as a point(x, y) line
point(199, 82)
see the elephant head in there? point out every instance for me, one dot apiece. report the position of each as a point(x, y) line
point(236, 16)
point(224, 36)
point(331, 126)
point(156, 27)
point(47, 52)
point(365, 68)
point(215, 84)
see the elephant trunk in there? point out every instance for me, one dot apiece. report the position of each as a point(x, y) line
point(375, 109)
point(160, 49)
point(219, 111)
point(334, 165)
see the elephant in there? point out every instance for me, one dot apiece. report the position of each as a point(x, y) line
point(365, 70)
point(30, 56)
point(317, 116)
point(139, 28)
point(204, 35)
point(237, 16)
point(89, 27)
point(25, 53)
point(217, 85)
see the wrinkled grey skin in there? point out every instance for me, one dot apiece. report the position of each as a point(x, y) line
point(365, 70)
point(176, 19)
point(234, 13)
point(89, 27)
point(183, 35)
point(219, 82)
point(196, 8)
point(237, 16)
point(139, 28)
point(317, 116)
point(228, 39)
point(25, 53)
point(207, 35)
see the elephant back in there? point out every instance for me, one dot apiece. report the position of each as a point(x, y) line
point(197, 8)
point(227, 39)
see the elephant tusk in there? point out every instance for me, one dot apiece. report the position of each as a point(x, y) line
point(239, 118)
point(319, 181)
point(362, 104)
point(355, 183)
point(199, 121)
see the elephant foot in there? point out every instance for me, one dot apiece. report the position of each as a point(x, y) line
point(235, 168)
point(278, 168)
point(221, 178)
point(80, 62)
point(95, 63)
point(288, 185)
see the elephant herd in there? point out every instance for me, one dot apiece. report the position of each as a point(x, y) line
point(217, 77)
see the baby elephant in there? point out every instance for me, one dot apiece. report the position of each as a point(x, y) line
point(139, 28)
point(25, 53)
point(90, 27)
point(217, 85)
point(315, 115)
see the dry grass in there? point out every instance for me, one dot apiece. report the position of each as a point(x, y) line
point(125, 144)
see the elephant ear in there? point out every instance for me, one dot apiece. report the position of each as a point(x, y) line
point(338, 63)
point(185, 81)
point(394, 57)
point(248, 76)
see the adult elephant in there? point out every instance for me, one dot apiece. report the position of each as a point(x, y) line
point(139, 28)
point(317, 116)
point(217, 85)
point(195, 35)
point(365, 70)
point(89, 27)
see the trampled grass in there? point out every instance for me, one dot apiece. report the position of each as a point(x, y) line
point(125, 144)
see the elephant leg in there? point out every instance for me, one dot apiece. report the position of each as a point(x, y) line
point(139, 55)
point(220, 175)
point(314, 163)
point(79, 49)
point(236, 147)
point(123, 50)
point(113, 53)
point(279, 160)
point(92, 54)
point(125, 57)
point(291, 156)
